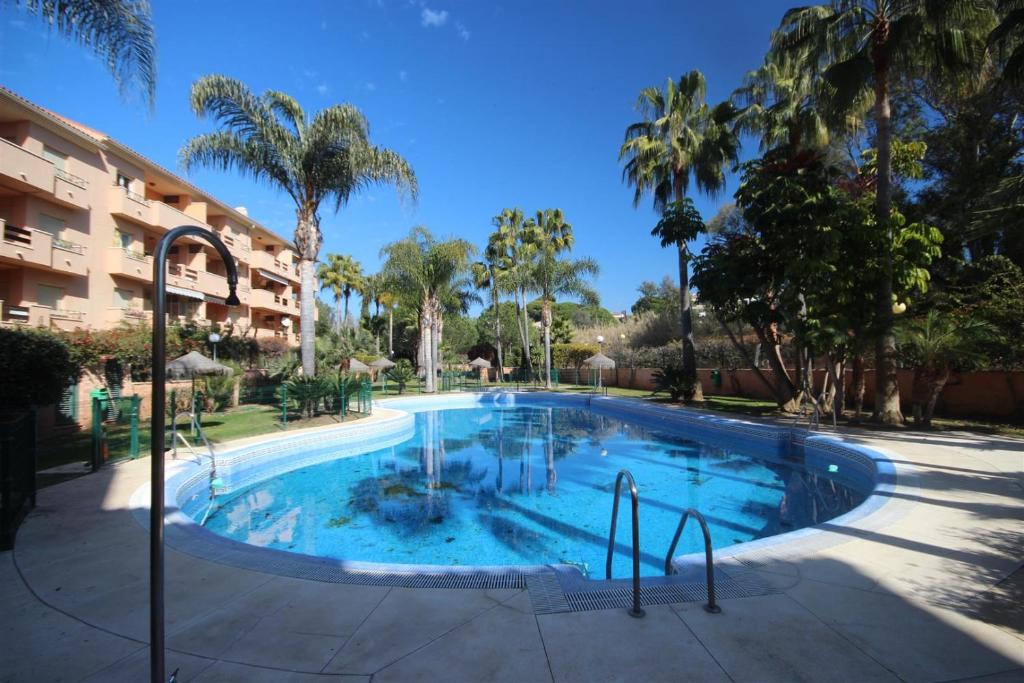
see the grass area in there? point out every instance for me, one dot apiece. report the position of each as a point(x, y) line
point(250, 420)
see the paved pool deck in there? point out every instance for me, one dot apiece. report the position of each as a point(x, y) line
point(927, 589)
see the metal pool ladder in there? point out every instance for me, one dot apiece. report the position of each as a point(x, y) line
point(636, 611)
point(709, 562)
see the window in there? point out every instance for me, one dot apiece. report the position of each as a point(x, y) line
point(50, 296)
point(58, 159)
point(123, 240)
point(54, 227)
point(123, 297)
point(172, 199)
point(124, 181)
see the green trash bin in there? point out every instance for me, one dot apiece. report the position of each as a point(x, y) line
point(716, 379)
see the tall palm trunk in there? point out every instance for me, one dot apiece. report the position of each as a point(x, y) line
point(391, 332)
point(526, 334)
point(887, 388)
point(337, 314)
point(438, 334)
point(545, 318)
point(686, 312)
point(497, 333)
point(426, 346)
point(308, 240)
point(522, 330)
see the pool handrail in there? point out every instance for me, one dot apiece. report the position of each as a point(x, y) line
point(709, 560)
point(636, 610)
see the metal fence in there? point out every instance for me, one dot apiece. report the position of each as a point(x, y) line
point(115, 428)
point(17, 474)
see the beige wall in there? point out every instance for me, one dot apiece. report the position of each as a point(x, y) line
point(90, 223)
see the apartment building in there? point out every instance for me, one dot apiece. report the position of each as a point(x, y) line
point(81, 215)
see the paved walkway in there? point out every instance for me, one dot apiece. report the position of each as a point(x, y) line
point(924, 591)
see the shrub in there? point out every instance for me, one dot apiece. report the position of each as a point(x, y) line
point(401, 374)
point(36, 368)
point(272, 348)
point(671, 379)
point(571, 355)
point(307, 392)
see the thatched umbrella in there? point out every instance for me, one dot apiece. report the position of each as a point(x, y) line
point(356, 366)
point(480, 363)
point(194, 364)
point(601, 362)
point(383, 364)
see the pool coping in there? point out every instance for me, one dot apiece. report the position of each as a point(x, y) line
point(184, 534)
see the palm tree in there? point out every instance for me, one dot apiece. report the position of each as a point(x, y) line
point(680, 136)
point(1008, 39)
point(859, 48)
point(933, 345)
point(119, 32)
point(429, 276)
point(343, 275)
point(271, 138)
point(553, 277)
point(488, 274)
point(516, 251)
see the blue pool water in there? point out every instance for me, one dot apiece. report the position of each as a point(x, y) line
point(526, 485)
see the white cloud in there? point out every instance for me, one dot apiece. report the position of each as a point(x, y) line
point(370, 85)
point(402, 76)
point(322, 88)
point(462, 30)
point(323, 25)
point(429, 17)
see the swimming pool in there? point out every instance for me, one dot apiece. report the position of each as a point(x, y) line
point(475, 481)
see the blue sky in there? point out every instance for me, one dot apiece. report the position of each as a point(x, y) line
point(494, 104)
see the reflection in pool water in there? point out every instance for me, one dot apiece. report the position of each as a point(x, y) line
point(524, 485)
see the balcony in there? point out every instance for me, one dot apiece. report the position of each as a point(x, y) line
point(32, 315)
point(130, 206)
point(167, 217)
point(265, 299)
point(267, 261)
point(130, 264)
point(23, 170)
point(238, 249)
point(131, 316)
point(69, 190)
point(183, 277)
point(30, 247)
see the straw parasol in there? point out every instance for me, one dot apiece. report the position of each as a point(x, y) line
point(600, 361)
point(480, 363)
point(355, 365)
point(194, 364)
point(383, 364)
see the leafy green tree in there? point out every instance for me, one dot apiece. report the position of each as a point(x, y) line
point(271, 138)
point(934, 345)
point(860, 48)
point(36, 366)
point(343, 276)
point(119, 32)
point(429, 275)
point(680, 136)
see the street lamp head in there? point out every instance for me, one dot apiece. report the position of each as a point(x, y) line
point(214, 337)
point(286, 323)
point(232, 299)
point(600, 339)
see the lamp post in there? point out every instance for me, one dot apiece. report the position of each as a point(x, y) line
point(156, 509)
point(600, 348)
point(214, 338)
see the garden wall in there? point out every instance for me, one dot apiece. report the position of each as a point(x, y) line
point(968, 394)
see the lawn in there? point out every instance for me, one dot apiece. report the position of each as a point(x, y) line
point(249, 420)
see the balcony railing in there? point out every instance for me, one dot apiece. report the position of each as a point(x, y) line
point(70, 178)
point(65, 245)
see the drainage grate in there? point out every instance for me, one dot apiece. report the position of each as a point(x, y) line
point(546, 594)
point(610, 598)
